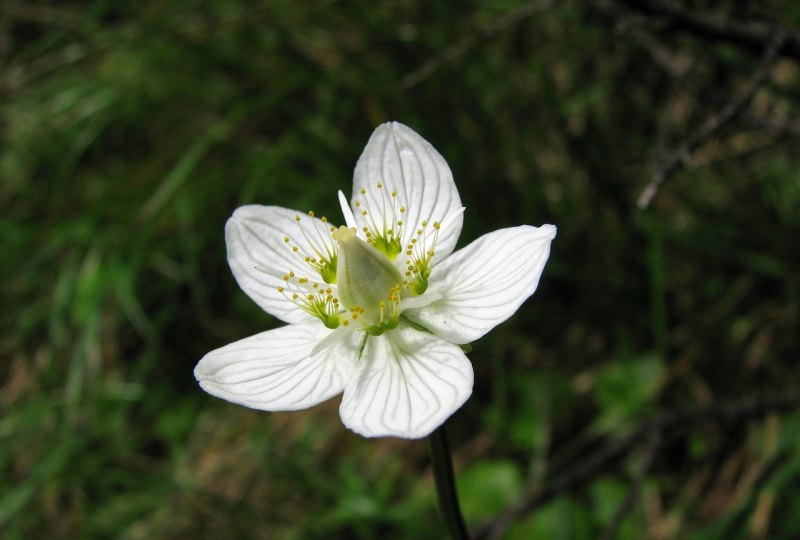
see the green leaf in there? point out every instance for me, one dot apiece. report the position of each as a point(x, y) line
point(486, 488)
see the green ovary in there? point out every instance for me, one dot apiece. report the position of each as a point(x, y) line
point(368, 284)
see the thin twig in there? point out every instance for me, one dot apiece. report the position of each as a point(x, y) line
point(637, 26)
point(679, 157)
point(789, 127)
point(663, 425)
point(752, 35)
point(457, 50)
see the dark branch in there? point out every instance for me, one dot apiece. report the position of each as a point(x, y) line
point(752, 35)
point(459, 49)
point(661, 427)
point(673, 161)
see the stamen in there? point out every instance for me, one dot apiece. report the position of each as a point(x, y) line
point(421, 250)
point(312, 298)
point(385, 232)
point(324, 251)
point(383, 224)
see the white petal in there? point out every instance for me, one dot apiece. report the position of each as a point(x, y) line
point(409, 383)
point(335, 336)
point(484, 283)
point(274, 370)
point(259, 255)
point(402, 161)
point(419, 301)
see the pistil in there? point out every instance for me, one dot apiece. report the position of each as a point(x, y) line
point(368, 283)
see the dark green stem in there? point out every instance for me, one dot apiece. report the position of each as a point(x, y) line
point(446, 484)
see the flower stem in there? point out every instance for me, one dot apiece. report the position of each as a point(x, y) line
point(445, 484)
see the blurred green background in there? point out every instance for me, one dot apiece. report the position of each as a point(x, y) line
point(130, 131)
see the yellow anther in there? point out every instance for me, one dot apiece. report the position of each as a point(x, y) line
point(323, 219)
point(363, 191)
point(286, 239)
point(297, 217)
point(436, 225)
point(380, 185)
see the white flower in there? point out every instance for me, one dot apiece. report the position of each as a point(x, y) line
point(378, 308)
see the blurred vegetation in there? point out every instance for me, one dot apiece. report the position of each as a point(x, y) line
point(129, 132)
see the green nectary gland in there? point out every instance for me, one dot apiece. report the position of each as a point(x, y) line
point(388, 245)
point(378, 329)
point(327, 269)
point(330, 321)
point(419, 285)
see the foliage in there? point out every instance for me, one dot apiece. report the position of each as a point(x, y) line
point(130, 132)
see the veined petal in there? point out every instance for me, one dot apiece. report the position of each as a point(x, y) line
point(484, 283)
point(409, 383)
point(404, 163)
point(266, 243)
point(274, 370)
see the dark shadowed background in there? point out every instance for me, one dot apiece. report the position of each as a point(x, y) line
point(649, 389)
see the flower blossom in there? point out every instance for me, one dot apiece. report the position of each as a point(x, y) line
point(378, 308)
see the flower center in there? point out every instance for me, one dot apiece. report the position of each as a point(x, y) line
point(342, 279)
point(368, 283)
